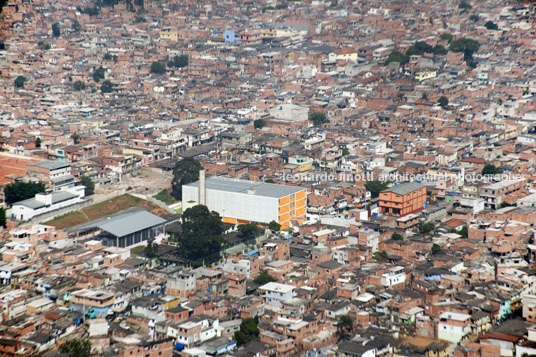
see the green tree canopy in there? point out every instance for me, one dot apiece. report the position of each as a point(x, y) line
point(439, 50)
point(397, 236)
point(258, 124)
point(264, 278)
point(38, 142)
point(274, 226)
point(474, 18)
point(375, 187)
point(76, 26)
point(419, 48)
point(490, 25)
point(77, 348)
point(380, 255)
point(107, 87)
point(201, 234)
point(79, 85)
point(248, 332)
point(491, 170)
point(89, 184)
point(99, 74)
point(345, 151)
point(446, 37)
point(436, 249)
point(3, 219)
point(248, 231)
point(178, 61)
point(397, 56)
point(19, 81)
point(426, 227)
point(56, 29)
point(464, 5)
point(43, 46)
point(345, 325)
point(151, 248)
point(317, 118)
point(443, 101)
point(185, 171)
point(464, 44)
point(19, 191)
point(158, 68)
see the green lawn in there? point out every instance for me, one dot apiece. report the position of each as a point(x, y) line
point(166, 197)
point(102, 209)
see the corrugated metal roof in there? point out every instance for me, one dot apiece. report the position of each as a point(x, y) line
point(404, 188)
point(128, 223)
point(243, 186)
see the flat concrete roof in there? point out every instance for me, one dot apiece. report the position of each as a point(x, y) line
point(247, 187)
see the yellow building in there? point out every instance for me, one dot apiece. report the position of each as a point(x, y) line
point(169, 34)
point(424, 75)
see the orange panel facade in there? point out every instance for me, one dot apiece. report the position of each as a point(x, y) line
point(392, 203)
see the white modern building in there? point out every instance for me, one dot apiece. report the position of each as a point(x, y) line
point(276, 294)
point(44, 203)
point(394, 277)
point(453, 326)
point(241, 266)
point(240, 201)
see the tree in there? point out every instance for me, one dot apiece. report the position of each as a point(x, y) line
point(381, 255)
point(19, 81)
point(79, 85)
point(184, 172)
point(463, 44)
point(446, 37)
point(38, 142)
point(264, 278)
point(474, 18)
point(248, 332)
point(150, 248)
point(19, 191)
point(178, 61)
point(107, 87)
point(426, 227)
point(77, 348)
point(258, 124)
point(397, 56)
point(464, 5)
point(3, 219)
point(443, 101)
point(424, 96)
point(436, 249)
point(107, 57)
point(248, 231)
point(89, 185)
point(419, 48)
point(375, 187)
point(345, 325)
point(76, 138)
point(345, 151)
point(56, 29)
point(464, 231)
point(200, 238)
point(317, 118)
point(439, 50)
point(397, 236)
point(490, 25)
point(43, 46)
point(491, 170)
point(158, 68)
point(76, 26)
point(99, 74)
point(274, 226)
